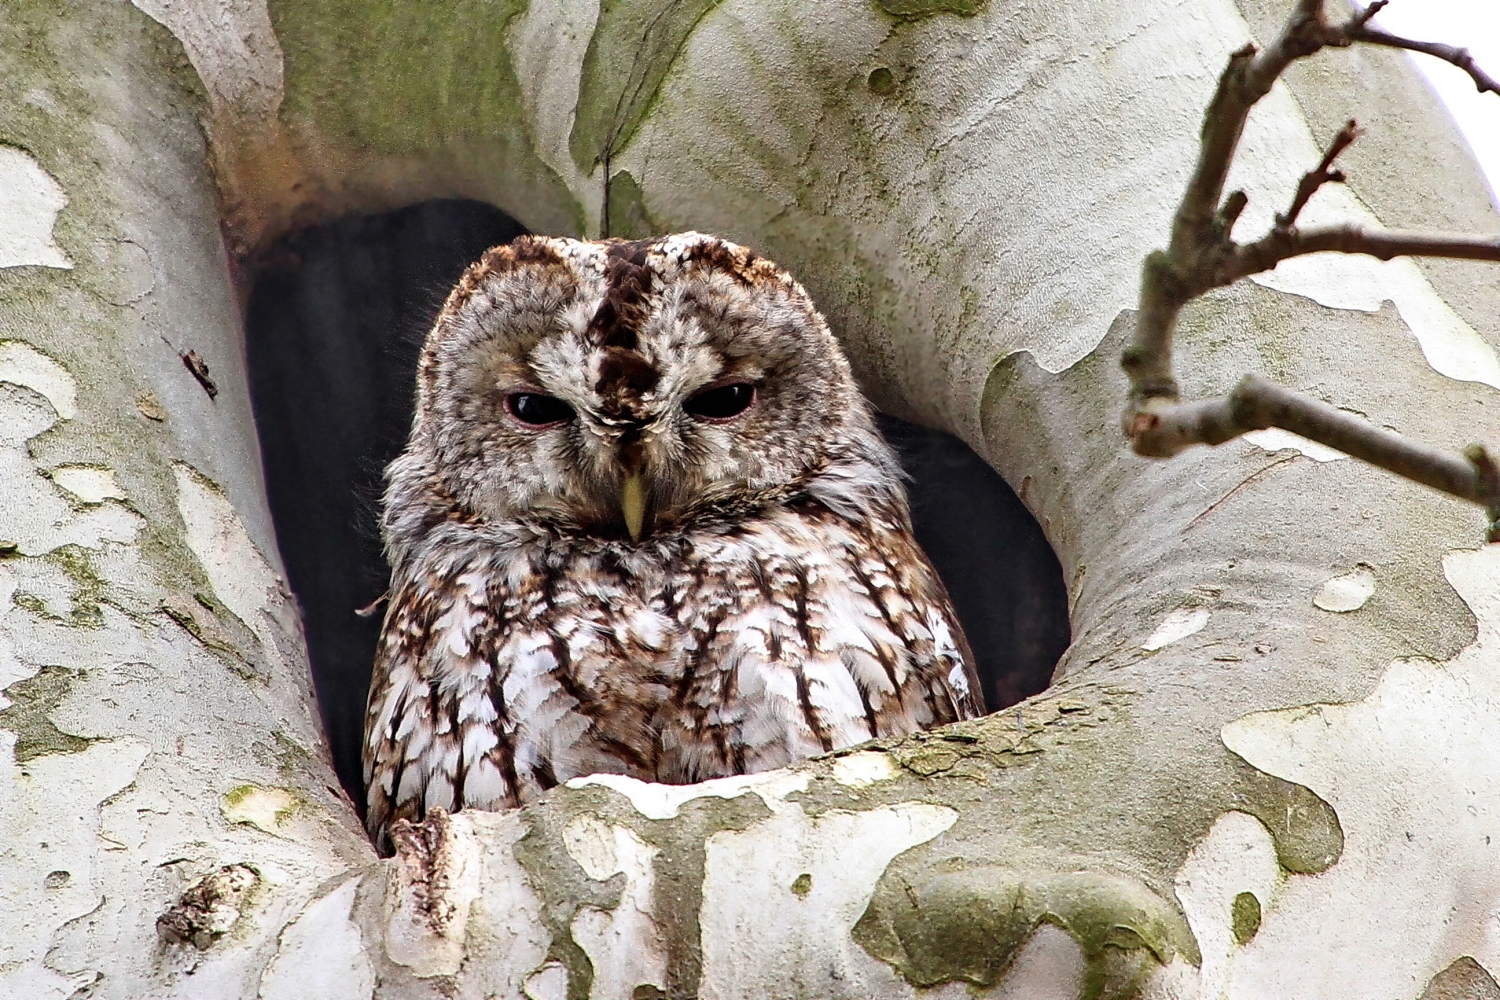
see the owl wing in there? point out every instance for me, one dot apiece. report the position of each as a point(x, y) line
point(433, 733)
point(814, 633)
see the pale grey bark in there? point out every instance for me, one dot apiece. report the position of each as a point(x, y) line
point(1282, 682)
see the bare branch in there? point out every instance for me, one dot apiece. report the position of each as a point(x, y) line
point(1322, 174)
point(1461, 58)
point(1200, 228)
point(1202, 255)
point(1276, 246)
point(1256, 404)
point(1371, 11)
point(1246, 79)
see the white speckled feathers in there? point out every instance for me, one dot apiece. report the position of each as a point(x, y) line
point(773, 606)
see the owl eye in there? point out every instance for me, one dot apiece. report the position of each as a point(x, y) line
point(721, 402)
point(536, 410)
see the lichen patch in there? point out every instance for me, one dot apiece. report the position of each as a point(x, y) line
point(967, 924)
point(915, 10)
point(1006, 738)
point(27, 712)
point(150, 407)
point(1245, 917)
point(265, 809)
point(1465, 979)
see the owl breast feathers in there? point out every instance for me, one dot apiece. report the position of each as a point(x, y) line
point(644, 524)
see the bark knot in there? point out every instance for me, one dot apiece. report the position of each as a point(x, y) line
point(426, 856)
point(433, 881)
point(209, 907)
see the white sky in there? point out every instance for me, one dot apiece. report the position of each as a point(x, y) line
point(1471, 24)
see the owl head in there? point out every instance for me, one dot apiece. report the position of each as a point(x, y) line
point(627, 390)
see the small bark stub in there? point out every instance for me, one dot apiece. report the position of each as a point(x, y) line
point(208, 908)
point(432, 883)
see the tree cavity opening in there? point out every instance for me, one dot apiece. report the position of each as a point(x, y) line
point(334, 323)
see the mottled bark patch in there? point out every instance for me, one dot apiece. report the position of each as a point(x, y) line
point(1245, 913)
point(1465, 979)
point(29, 714)
point(968, 925)
point(208, 908)
point(425, 853)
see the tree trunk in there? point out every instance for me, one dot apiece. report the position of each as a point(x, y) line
point(1266, 768)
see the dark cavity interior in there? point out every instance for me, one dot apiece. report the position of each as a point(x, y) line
point(334, 324)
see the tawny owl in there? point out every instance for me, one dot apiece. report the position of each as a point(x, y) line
point(644, 524)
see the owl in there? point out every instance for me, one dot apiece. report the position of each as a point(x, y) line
point(644, 524)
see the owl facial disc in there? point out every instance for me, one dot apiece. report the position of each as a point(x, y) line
point(628, 391)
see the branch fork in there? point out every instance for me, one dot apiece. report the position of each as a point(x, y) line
point(1202, 255)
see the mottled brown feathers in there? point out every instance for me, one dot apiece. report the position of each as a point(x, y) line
point(627, 282)
point(774, 604)
point(623, 372)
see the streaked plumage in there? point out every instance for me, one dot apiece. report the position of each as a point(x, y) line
point(600, 564)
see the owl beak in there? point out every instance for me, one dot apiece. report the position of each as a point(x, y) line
point(633, 505)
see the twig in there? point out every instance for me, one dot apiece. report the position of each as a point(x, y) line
point(196, 366)
point(194, 363)
point(1256, 404)
point(1277, 246)
point(1201, 256)
point(1260, 473)
point(1448, 53)
point(1371, 11)
point(1322, 174)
